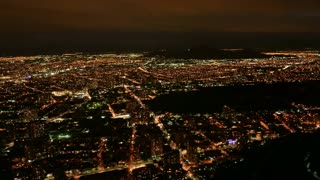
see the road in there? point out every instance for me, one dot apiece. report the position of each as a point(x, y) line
point(282, 122)
point(126, 88)
point(76, 174)
point(173, 145)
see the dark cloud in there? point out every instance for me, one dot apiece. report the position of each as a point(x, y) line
point(159, 15)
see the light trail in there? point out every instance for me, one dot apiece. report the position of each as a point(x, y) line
point(111, 111)
point(284, 124)
point(264, 125)
point(154, 74)
point(134, 96)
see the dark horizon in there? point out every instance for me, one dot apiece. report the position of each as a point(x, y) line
point(94, 42)
point(36, 26)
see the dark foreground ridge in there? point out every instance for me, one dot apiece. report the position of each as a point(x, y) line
point(271, 97)
point(292, 157)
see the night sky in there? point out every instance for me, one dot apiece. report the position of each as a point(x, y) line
point(42, 21)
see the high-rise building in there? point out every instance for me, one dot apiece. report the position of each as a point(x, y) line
point(36, 129)
point(192, 152)
point(157, 146)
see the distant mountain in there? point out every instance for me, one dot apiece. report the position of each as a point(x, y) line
point(34, 43)
point(208, 53)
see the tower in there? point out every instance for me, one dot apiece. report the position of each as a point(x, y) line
point(101, 151)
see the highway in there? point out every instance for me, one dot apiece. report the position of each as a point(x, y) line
point(126, 88)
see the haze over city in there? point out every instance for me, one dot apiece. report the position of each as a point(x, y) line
point(146, 89)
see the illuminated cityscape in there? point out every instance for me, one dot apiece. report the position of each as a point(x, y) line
point(150, 115)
